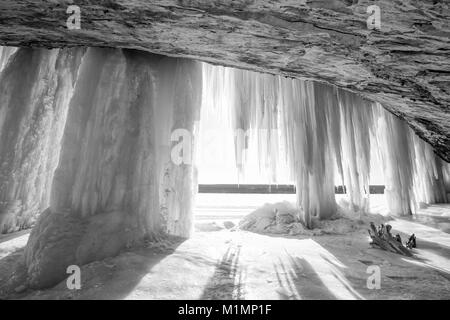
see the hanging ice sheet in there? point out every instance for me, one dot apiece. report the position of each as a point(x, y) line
point(319, 132)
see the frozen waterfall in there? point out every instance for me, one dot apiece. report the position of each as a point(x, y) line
point(317, 130)
point(102, 146)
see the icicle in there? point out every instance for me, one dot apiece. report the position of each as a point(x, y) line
point(356, 123)
point(311, 160)
point(395, 147)
point(314, 128)
point(414, 176)
point(254, 113)
point(178, 111)
point(285, 127)
point(429, 185)
point(446, 178)
point(5, 55)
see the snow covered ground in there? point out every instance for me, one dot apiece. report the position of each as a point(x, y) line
point(227, 264)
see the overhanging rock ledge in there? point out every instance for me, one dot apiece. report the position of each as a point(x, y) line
point(405, 66)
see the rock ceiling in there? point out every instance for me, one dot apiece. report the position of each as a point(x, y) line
point(405, 65)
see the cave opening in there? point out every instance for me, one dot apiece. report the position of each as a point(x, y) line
point(249, 137)
point(233, 180)
point(245, 149)
point(108, 150)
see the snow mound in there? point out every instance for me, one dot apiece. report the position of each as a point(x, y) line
point(283, 218)
point(278, 218)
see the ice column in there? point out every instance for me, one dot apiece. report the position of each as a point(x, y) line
point(35, 88)
point(176, 123)
point(356, 124)
point(116, 144)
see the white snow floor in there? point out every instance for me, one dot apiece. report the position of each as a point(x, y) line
point(242, 265)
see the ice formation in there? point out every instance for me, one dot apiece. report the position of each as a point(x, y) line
point(5, 54)
point(318, 132)
point(120, 128)
point(414, 175)
point(115, 184)
point(177, 116)
point(35, 88)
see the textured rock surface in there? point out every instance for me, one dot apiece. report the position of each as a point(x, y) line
point(405, 66)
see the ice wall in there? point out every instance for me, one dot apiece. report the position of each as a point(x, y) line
point(414, 175)
point(396, 151)
point(35, 88)
point(5, 54)
point(430, 182)
point(320, 132)
point(293, 123)
point(115, 176)
point(177, 116)
point(354, 158)
point(308, 136)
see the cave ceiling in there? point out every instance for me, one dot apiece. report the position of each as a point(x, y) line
point(404, 64)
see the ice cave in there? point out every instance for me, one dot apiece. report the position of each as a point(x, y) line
point(205, 150)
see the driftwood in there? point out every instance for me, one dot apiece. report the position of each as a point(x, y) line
point(411, 242)
point(382, 238)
